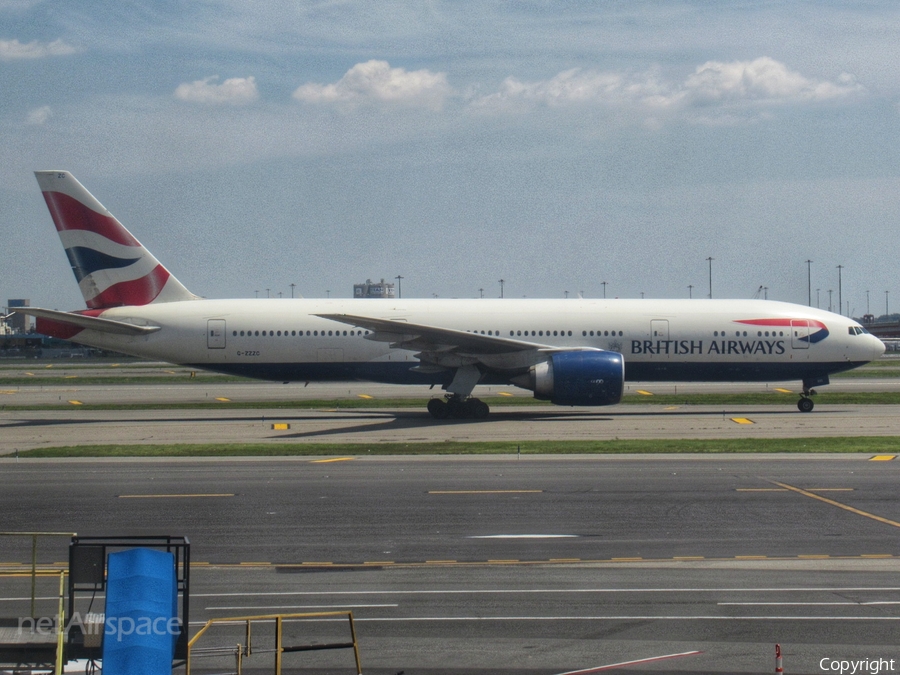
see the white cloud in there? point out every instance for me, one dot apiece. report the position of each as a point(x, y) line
point(233, 91)
point(377, 81)
point(11, 50)
point(39, 116)
point(762, 81)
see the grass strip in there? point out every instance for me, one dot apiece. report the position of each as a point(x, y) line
point(848, 444)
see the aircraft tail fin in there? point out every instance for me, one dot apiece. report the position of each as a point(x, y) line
point(112, 268)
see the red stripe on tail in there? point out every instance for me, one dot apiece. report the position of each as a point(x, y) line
point(70, 214)
point(141, 291)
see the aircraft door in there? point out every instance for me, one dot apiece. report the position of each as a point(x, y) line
point(659, 329)
point(215, 334)
point(800, 333)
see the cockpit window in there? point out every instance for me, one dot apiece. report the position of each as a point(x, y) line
point(857, 330)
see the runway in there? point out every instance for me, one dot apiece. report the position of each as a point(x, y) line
point(491, 564)
point(498, 565)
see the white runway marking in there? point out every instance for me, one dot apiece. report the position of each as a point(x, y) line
point(524, 536)
point(612, 666)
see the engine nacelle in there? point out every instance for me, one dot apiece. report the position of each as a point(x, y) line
point(578, 378)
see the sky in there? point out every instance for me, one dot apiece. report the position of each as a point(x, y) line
point(554, 145)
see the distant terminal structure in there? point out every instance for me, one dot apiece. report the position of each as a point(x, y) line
point(18, 323)
point(374, 289)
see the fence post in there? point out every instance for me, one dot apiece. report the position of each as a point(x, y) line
point(778, 668)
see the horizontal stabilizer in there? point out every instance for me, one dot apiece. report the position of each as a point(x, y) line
point(88, 322)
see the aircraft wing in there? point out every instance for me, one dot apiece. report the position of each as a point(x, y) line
point(434, 341)
point(88, 322)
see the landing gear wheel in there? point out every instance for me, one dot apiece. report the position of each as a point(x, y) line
point(805, 404)
point(438, 409)
point(480, 409)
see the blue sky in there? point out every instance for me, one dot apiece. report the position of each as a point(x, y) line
point(554, 145)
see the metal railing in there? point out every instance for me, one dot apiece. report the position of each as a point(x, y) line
point(60, 617)
point(34, 539)
point(243, 651)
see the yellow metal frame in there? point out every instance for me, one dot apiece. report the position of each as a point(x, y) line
point(34, 537)
point(61, 612)
point(279, 646)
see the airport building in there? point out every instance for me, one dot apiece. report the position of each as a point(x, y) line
point(18, 323)
point(370, 289)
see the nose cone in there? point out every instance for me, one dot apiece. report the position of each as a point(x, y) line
point(877, 347)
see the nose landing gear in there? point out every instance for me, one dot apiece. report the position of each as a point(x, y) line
point(805, 404)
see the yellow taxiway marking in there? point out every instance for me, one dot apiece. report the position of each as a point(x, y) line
point(504, 393)
point(626, 559)
point(784, 391)
point(741, 420)
point(255, 564)
point(217, 494)
point(644, 393)
point(76, 402)
point(858, 512)
point(328, 461)
point(882, 458)
point(30, 374)
point(786, 490)
point(7, 392)
point(439, 562)
point(483, 492)
point(750, 557)
point(366, 396)
point(281, 426)
point(379, 562)
point(70, 377)
point(672, 407)
point(222, 398)
point(688, 557)
point(50, 366)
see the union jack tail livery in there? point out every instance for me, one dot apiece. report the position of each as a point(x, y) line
point(112, 268)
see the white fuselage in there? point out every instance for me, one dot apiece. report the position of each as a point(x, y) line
point(708, 340)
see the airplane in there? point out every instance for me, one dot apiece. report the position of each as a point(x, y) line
point(574, 352)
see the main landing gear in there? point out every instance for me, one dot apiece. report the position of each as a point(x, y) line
point(458, 407)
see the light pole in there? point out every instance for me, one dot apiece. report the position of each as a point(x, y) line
point(867, 302)
point(829, 300)
point(886, 312)
point(690, 291)
point(840, 308)
point(603, 283)
point(501, 288)
point(709, 260)
point(818, 304)
point(566, 293)
point(293, 286)
point(399, 287)
point(809, 280)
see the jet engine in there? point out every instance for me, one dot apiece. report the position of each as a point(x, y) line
point(591, 378)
